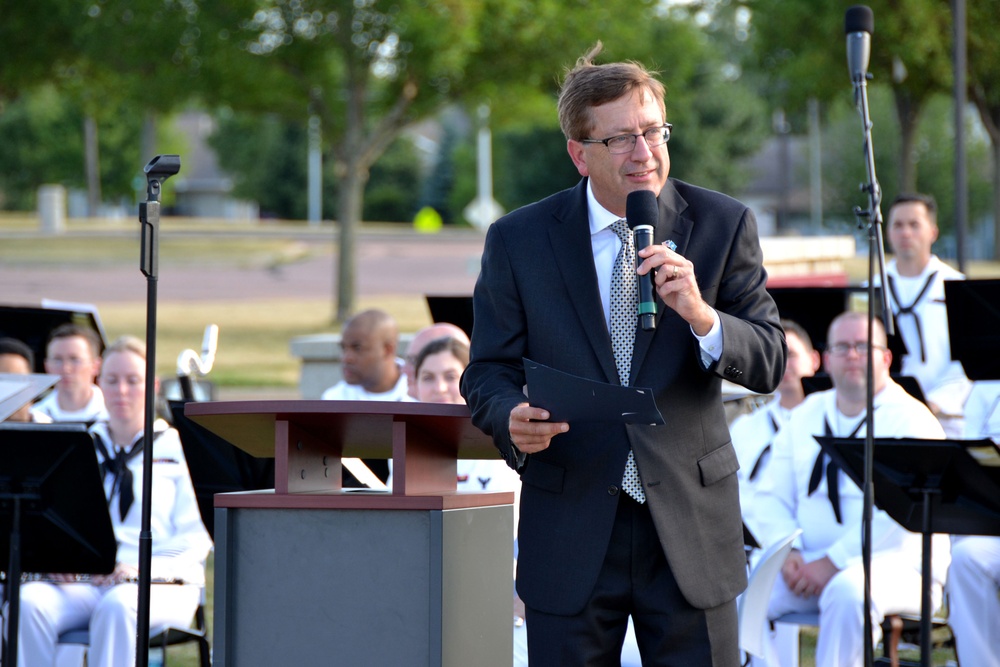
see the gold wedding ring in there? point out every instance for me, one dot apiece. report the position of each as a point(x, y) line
point(675, 272)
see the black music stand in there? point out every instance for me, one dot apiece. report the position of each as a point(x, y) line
point(216, 466)
point(973, 323)
point(456, 310)
point(53, 511)
point(927, 486)
point(17, 390)
point(33, 324)
point(813, 308)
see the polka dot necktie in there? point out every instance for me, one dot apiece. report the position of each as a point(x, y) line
point(624, 315)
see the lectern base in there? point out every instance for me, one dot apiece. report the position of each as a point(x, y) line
point(421, 587)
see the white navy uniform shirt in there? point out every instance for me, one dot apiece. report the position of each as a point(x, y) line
point(752, 435)
point(784, 502)
point(942, 380)
point(180, 541)
point(91, 413)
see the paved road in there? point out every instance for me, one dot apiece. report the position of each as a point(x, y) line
point(399, 263)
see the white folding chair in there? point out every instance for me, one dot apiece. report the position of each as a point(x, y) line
point(754, 628)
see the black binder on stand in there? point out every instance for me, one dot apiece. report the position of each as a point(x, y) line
point(973, 326)
point(928, 486)
point(53, 511)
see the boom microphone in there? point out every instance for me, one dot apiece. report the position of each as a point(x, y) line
point(859, 24)
point(642, 213)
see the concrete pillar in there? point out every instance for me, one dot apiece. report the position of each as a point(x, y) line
point(52, 208)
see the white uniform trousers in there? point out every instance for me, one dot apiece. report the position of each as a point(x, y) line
point(47, 610)
point(974, 599)
point(894, 590)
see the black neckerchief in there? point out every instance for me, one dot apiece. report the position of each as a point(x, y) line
point(767, 449)
point(909, 310)
point(117, 466)
point(832, 471)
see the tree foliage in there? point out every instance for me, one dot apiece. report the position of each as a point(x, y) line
point(799, 46)
point(41, 135)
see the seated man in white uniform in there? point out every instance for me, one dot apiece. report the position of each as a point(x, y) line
point(17, 358)
point(916, 293)
point(753, 433)
point(73, 353)
point(805, 489)
point(974, 576)
point(371, 369)
point(372, 372)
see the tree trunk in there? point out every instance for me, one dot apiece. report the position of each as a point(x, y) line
point(908, 113)
point(990, 116)
point(147, 139)
point(92, 166)
point(350, 198)
point(996, 198)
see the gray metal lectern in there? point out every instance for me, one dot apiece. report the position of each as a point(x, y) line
point(310, 574)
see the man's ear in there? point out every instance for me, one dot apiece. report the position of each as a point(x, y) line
point(577, 154)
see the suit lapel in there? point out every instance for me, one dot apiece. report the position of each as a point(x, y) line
point(672, 228)
point(574, 256)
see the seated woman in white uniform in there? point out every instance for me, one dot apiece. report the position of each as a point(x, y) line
point(108, 604)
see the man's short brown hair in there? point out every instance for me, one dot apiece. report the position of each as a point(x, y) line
point(71, 330)
point(588, 85)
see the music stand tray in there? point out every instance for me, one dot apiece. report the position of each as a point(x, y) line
point(17, 390)
point(927, 486)
point(53, 511)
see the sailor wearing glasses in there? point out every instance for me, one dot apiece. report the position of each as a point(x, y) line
point(804, 489)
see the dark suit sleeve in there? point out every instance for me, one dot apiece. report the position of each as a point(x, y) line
point(753, 349)
point(493, 382)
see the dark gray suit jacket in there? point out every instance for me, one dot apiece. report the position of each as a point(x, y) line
point(537, 297)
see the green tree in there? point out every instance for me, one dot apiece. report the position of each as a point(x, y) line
point(718, 117)
point(799, 45)
point(43, 143)
point(271, 169)
point(845, 167)
point(36, 37)
point(393, 191)
point(266, 156)
point(370, 67)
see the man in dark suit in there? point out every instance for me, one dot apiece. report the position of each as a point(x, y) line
point(591, 555)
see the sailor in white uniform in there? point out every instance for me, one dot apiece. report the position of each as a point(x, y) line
point(805, 489)
point(754, 432)
point(916, 292)
point(974, 576)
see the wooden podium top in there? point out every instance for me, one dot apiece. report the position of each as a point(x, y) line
point(364, 427)
point(308, 438)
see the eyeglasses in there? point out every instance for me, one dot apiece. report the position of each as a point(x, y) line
point(860, 348)
point(625, 143)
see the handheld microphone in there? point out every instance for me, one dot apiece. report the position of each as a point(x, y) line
point(859, 24)
point(642, 213)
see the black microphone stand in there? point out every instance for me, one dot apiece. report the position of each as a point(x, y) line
point(159, 169)
point(872, 217)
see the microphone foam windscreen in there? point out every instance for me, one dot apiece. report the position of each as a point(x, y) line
point(641, 209)
point(859, 18)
